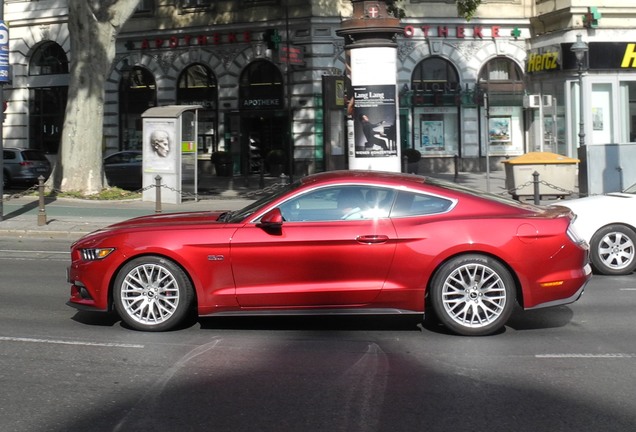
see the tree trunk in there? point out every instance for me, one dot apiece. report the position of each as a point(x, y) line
point(93, 30)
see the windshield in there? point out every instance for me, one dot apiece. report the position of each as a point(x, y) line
point(239, 215)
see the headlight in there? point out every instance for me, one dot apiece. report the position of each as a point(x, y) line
point(95, 254)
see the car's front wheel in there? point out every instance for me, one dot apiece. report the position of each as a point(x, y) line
point(473, 295)
point(152, 294)
point(613, 250)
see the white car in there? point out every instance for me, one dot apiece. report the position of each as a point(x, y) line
point(608, 223)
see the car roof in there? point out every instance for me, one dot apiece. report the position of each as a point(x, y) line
point(363, 176)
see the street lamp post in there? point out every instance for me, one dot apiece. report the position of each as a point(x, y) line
point(580, 48)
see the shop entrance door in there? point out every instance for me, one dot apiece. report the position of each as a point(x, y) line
point(264, 138)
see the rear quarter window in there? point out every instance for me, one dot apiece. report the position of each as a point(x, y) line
point(412, 204)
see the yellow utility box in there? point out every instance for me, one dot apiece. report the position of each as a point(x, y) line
point(557, 174)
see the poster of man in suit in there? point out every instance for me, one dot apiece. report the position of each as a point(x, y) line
point(375, 121)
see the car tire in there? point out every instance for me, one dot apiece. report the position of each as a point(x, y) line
point(473, 295)
point(613, 250)
point(152, 294)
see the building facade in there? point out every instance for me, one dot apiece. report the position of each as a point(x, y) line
point(270, 76)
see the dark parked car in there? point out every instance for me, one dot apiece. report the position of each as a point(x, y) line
point(124, 169)
point(349, 242)
point(24, 166)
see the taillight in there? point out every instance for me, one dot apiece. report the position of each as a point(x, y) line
point(573, 234)
point(26, 163)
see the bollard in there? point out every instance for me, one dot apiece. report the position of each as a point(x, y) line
point(261, 178)
point(405, 164)
point(158, 194)
point(41, 209)
point(535, 181)
point(456, 163)
point(284, 179)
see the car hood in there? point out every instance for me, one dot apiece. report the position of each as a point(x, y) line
point(158, 221)
point(170, 219)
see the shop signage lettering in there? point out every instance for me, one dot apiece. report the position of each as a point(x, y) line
point(477, 32)
point(190, 40)
point(539, 62)
point(262, 103)
point(629, 58)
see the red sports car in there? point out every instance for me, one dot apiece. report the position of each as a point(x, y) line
point(346, 242)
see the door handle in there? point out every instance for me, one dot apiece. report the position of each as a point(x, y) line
point(372, 239)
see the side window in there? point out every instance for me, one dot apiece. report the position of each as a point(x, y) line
point(412, 204)
point(118, 158)
point(8, 155)
point(339, 203)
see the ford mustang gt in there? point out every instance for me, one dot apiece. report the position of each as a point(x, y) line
point(347, 242)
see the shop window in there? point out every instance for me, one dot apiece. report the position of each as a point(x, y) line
point(197, 85)
point(628, 105)
point(435, 85)
point(501, 79)
point(601, 101)
point(48, 59)
point(46, 117)
point(137, 93)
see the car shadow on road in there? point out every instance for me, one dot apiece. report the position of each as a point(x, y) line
point(99, 319)
point(552, 317)
point(317, 322)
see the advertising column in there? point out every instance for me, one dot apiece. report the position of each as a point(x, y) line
point(372, 125)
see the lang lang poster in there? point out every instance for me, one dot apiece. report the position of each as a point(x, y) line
point(375, 121)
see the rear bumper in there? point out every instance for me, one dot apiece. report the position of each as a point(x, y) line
point(567, 300)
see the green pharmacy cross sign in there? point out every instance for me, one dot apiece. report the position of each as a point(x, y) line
point(273, 39)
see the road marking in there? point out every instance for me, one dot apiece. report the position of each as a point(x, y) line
point(583, 355)
point(62, 342)
point(627, 289)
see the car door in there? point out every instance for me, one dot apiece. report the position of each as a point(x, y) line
point(325, 254)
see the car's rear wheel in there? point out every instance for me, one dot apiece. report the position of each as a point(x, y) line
point(473, 295)
point(613, 250)
point(152, 294)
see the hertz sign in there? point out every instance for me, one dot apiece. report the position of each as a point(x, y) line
point(601, 56)
point(546, 59)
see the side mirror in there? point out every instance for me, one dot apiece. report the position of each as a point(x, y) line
point(271, 221)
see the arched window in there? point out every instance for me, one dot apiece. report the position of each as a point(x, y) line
point(501, 74)
point(261, 82)
point(48, 59)
point(197, 76)
point(197, 85)
point(434, 74)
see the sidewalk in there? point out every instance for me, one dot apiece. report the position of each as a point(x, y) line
point(69, 218)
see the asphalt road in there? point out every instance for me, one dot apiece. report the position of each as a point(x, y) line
point(569, 368)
